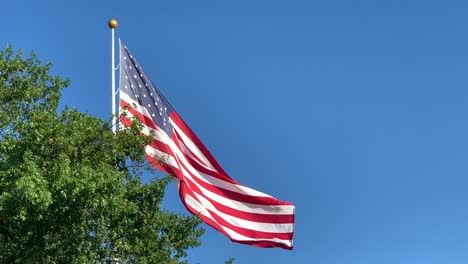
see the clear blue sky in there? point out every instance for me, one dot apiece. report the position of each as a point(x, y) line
point(356, 111)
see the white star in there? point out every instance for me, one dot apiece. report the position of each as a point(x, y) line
point(134, 76)
point(125, 58)
point(151, 94)
point(131, 85)
point(160, 114)
point(141, 75)
point(157, 98)
point(146, 84)
point(126, 87)
point(130, 67)
point(144, 95)
point(152, 114)
point(149, 105)
point(139, 85)
point(126, 76)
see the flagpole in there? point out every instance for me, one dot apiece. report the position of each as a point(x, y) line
point(112, 25)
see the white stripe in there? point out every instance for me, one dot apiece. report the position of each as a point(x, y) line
point(242, 223)
point(163, 157)
point(220, 183)
point(242, 206)
point(163, 137)
point(193, 148)
point(124, 96)
point(190, 201)
point(246, 207)
point(177, 182)
point(135, 105)
point(195, 159)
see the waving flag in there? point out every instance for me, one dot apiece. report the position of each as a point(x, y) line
point(244, 215)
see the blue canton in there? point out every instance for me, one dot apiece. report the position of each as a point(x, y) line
point(136, 84)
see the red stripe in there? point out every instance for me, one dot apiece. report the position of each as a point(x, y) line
point(249, 232)
point(257, 243)
point(197, 166)
point(157, 164)
point(155, 143)
point(225, 193)
point(263, 218)
point(191, 135)
point(125, 121)
point(242, 231)
point(260, 200)
point(254, 217)
point(161, 147)
point(148, 122)
point(188, 150)
point(196, 163)
point(178, 139)
point(164, 167)
point(144, 119)
point(222, 192)
point(212, 173)
point(182, 191)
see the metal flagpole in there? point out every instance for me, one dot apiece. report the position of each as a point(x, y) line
point(112, 25)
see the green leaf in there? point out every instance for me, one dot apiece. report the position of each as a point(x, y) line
point(70, 189)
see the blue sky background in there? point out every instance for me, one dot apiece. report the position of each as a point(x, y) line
point(356, 111)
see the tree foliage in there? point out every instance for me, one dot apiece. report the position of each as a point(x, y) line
point(70, 189)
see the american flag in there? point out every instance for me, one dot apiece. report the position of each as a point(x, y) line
point(244, 215)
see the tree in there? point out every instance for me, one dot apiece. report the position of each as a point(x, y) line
point(70, 189)
point(230, 260)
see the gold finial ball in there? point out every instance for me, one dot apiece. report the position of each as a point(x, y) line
point(112, 23)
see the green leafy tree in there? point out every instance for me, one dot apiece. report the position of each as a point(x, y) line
point(70, 189)
point(229, 261)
